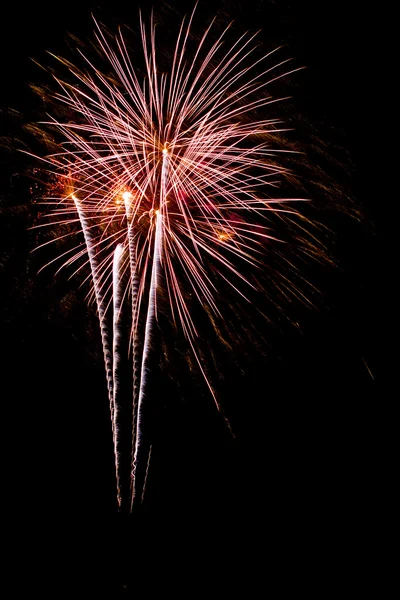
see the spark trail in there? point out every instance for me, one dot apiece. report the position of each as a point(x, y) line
point(101, 309)
point(117, 302)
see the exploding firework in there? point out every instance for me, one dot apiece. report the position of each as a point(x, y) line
point(173, 180)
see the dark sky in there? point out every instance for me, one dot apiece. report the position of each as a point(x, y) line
point(273, 504)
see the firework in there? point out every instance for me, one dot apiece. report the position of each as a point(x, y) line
point(168, 172)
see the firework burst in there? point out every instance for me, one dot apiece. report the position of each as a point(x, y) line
point(167, 173)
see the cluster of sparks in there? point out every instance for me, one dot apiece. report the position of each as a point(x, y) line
point(164, 173)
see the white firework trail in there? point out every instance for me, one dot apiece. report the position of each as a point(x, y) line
point(101, 310)
point(148, 334)
point(134, 285)
point(117, 304)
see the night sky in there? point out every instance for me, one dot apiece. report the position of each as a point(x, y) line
point(271, 508)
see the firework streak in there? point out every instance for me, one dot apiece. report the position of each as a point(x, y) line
point(167, 172)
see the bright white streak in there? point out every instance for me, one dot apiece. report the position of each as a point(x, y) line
point(134, 284)
point(101, 309)
point(117, 300)
point(150, 319)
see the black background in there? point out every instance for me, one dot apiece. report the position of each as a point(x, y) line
point(276, 505)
